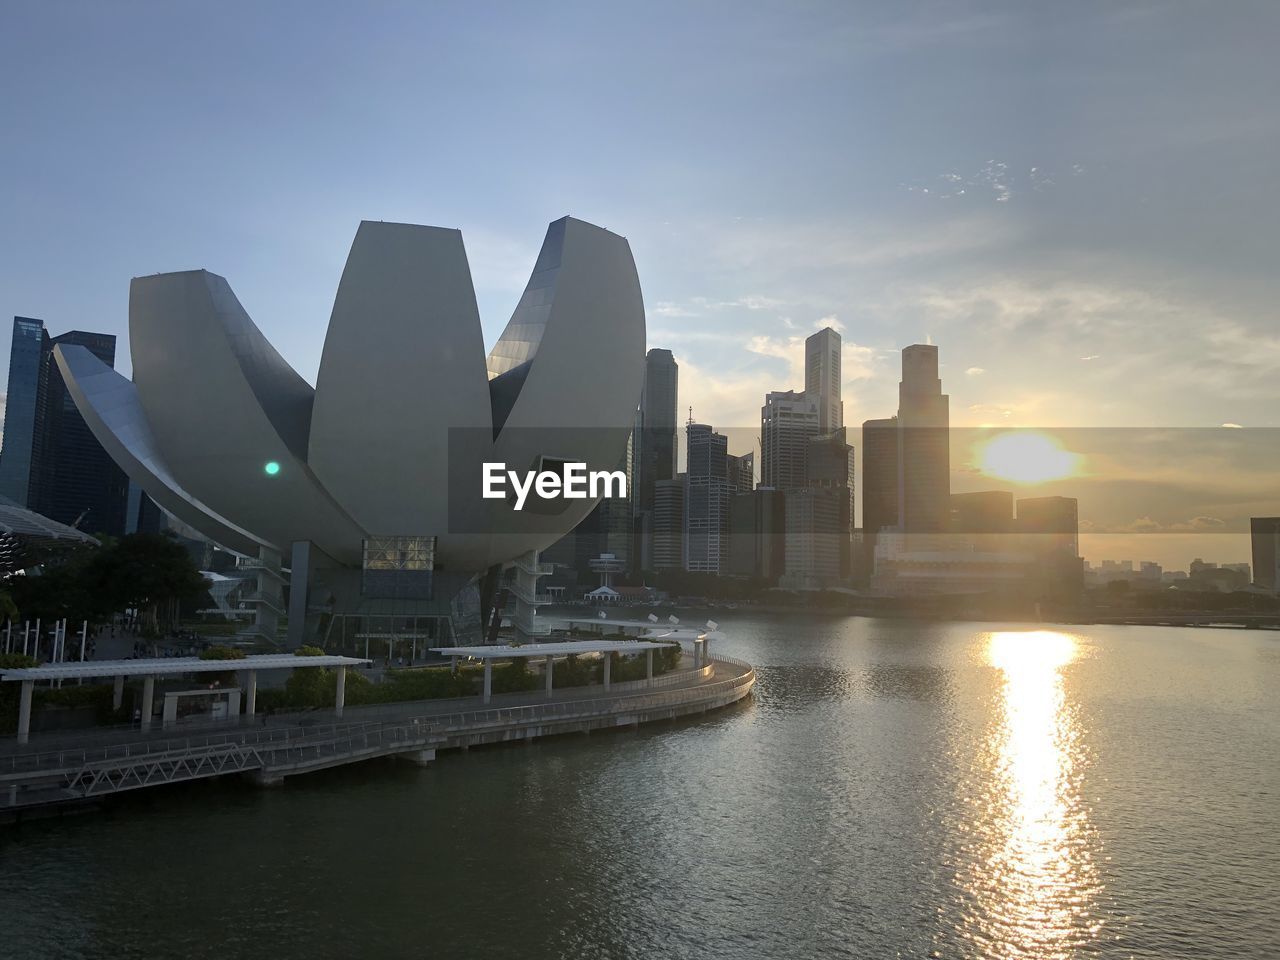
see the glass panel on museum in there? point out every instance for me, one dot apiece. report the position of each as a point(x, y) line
point(398, 566)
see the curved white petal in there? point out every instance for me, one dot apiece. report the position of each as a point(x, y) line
point(109, 404)
point(223, 404)
point(577, 340)
point(403, 364)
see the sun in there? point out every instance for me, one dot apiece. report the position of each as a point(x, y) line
point(1027, 457)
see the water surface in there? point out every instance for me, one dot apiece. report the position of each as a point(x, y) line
point(894, 789)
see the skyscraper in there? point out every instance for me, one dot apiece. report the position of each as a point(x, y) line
point(1265, 534)
point(742, 470)
point(655, 435)
point(668, 524)
point(706, 502)
point(822, 378)
point(788, 420)
point(819, 519)
point(879, 482)
point(924, 456)
point(50, 461)
point(653, 449)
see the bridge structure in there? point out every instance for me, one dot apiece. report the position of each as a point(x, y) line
point(73, 772)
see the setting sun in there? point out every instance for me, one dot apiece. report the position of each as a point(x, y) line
point(1027, 458)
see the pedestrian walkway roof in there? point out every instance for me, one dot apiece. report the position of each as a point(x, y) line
point(158, 666)
point(569, 648)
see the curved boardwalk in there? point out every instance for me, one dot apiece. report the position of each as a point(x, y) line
point(64, 771)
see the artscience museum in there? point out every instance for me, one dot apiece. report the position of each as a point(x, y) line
point(364, 493)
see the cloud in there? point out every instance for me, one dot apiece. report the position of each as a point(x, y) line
point(974, 372)
point(1148, 525)
point(1233, 426)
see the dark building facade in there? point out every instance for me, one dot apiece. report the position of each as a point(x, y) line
point(706, 501)
point(50, 461)
point(654, 446)
point(757, 539)
point(1265, 535)
point(879, 483)
point(924, 452)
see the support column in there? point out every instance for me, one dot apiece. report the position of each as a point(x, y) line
point(608, 664)
point(340, 698)
point(117, 694)
point(648, 667)
point(549, 670)
point(251, 693)
point(24, 711)
point(148, 701)
point(488, 679)
point(453, 665)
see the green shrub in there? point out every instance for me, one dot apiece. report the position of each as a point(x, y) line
point(220, 651)
point(16, 661)
point(514, 677)
point(308, 651)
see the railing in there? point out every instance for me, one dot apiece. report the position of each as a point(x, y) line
point(302, 741)
point(258, 736)
point(275, 601)
point(534, 569)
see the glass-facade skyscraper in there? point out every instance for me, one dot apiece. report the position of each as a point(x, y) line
point(50, 461)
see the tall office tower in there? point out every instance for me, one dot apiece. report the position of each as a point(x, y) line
point(879, 483)
point(819, 529)
point(924, 456)
point(50, 462)
point(816, 553)
point(822, 378)
point(1265, 535)
point(983, 519)
point(787, 420)
point(756, 534)
point(609, 527)
point(655, 435)
point(706, 499)
point(742, 472)
point(1049, 528)
point(668, 524)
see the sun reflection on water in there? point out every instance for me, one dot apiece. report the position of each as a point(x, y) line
point(1038, 880)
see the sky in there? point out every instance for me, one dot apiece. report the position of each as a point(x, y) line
point(1076, 202)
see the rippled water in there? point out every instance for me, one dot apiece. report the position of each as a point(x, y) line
point(894, 790)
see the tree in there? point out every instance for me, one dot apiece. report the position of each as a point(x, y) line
point(152, 573)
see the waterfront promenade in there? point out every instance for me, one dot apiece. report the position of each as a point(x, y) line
point(70, 769)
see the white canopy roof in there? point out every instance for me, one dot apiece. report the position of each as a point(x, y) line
point(158, 666)
point(567, 648)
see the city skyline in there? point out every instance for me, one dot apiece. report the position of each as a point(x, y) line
point(1046, 236)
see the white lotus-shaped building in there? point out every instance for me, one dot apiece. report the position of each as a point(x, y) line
point(221, 432)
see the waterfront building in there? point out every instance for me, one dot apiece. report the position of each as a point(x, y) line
point(654, 444)
point(924, 458)
point(706, 501)
point(1264, 533)
point(656, 426)
point(668, 524)
point(741, 470)
point(788, 420)
point(50, 461)
point(822, 378)
point(757, 534)
point(879, 483)
point(815, 531)
point(222, 433)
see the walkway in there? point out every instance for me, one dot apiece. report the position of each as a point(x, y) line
point(74, 769)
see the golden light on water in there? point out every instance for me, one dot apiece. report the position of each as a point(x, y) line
point(1027, 457)
point(1039, 879)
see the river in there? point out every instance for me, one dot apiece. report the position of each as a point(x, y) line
point(893, 789)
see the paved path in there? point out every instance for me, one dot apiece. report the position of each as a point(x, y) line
point(386, 712)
